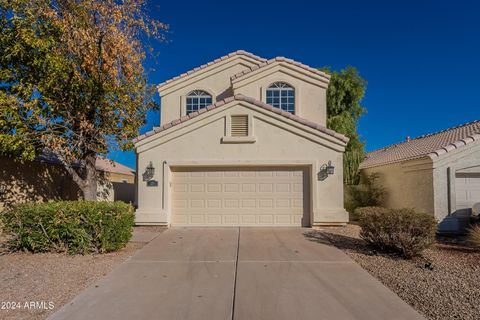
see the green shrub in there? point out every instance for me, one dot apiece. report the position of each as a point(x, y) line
point(401, 231)
point(474, 235)
point(76, 227)
point(367, 194)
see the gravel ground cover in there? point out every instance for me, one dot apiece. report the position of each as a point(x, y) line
point(45, 278)
point(444, 283)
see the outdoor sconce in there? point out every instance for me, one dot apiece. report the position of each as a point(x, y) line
point(3, 189)
point(149, 172)
point(330, 168)
point(326, 170)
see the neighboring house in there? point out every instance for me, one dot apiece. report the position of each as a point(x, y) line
point(45, 179)
point(118, 183)
point(242, 141)
point(437, 173)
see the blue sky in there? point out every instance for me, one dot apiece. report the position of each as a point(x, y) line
point(421, 58)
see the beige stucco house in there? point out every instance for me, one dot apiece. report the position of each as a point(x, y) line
point(437, 173)
point(242, 142)
point(45, 179)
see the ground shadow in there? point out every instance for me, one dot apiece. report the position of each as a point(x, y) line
point(352, 244)
point(339, 241)
point(457, 243)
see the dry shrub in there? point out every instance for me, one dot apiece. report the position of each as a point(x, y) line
point(401, 231)
point(474, 236)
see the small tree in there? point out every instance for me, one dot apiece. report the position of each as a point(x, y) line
point(72, 80)
point(344, 94)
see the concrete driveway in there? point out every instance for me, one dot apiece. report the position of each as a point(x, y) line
point(237, 273)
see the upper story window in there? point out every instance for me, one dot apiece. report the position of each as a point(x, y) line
point(281, 95)
point(197, 100)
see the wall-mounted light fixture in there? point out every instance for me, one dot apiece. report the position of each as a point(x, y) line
point(326, 170)
point(330, 168)
point(149, 172)
point(3, 189)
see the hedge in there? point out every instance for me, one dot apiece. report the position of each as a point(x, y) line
point(76, 227)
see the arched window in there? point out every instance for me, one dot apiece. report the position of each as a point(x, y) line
point(281, 95)
point(197, 100)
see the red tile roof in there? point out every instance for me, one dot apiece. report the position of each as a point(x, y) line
point(107, 165)
point(430, 145)
point(236, 53)
point(101, 164)
point(240, 97)
point(281, 59)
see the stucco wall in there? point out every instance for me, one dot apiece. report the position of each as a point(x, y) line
point(198, 142)
point(118, 177)
point(407, 185)
point(215, 81)
point(310, 98)
point(310, 90)
point(33, 182)
point(37, 181)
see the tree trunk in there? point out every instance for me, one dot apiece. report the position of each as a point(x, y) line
point(89, 188)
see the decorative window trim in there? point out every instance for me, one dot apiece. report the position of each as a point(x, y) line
point(190, 95)
point(228, 138)
point(280, 91)
point(264, 88)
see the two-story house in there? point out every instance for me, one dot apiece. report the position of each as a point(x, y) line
point(242, 142)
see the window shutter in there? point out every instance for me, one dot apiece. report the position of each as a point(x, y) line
point(239, 126)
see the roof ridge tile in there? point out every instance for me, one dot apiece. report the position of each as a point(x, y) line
point(280, 59)
point(222, 58)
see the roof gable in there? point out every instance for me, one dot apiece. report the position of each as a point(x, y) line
point(320, 129)
point(210, 65)
point(318, 75)
point(431, 145)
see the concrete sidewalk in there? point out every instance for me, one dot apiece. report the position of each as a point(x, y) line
point(237, 273)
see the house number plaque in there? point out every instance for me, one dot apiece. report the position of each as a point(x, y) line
point(152, 183)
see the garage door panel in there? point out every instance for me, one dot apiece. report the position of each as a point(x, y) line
point(233, 196)
point(191, 205)
point(467, 190)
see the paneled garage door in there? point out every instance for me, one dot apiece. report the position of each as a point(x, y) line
point(240, 196)
point(467, 190)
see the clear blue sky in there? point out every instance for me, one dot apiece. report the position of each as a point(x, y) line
point(421, 58)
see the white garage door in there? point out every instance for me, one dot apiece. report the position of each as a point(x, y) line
point(237, 196)
point(467, 190)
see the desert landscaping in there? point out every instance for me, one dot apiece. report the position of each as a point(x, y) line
point(441, 284)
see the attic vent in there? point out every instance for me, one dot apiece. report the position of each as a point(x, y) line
point(239, 126)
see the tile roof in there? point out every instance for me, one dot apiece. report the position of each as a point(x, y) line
point(240, 97)
point(107, 165)
point(281, 59)
point(102, 164)
point(430, 145)
point(225, 57)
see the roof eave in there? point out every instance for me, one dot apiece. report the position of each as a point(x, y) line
point(340, 138)
point(317, 74)
point(453, 146)
point(171, 82)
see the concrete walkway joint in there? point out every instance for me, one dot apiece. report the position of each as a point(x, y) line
point(238, 274)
